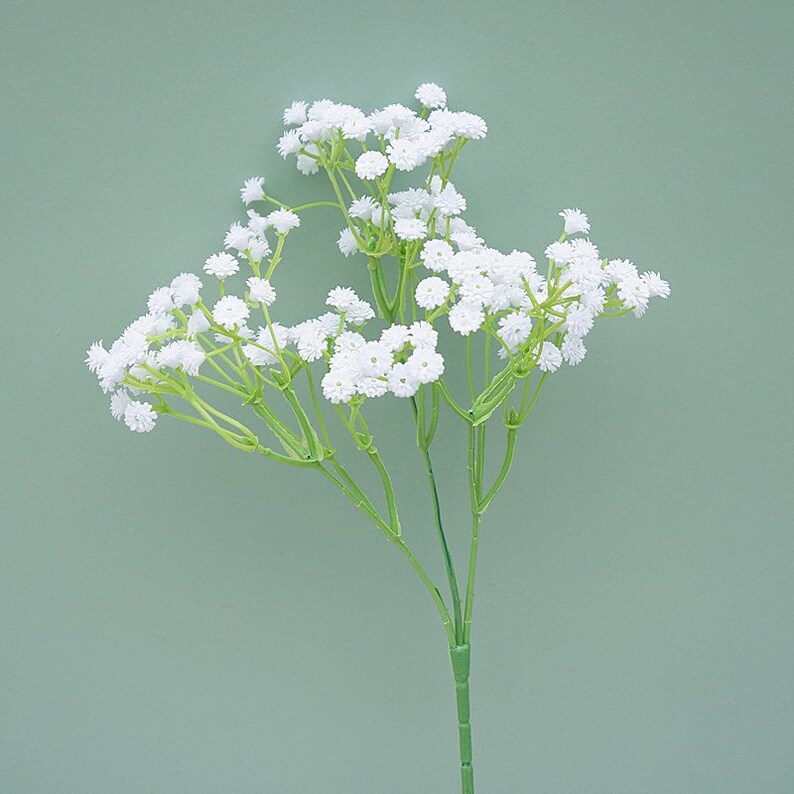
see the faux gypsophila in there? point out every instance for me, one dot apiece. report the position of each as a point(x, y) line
point(432, 276)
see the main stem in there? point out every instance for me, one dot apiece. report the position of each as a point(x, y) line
point(461, 656)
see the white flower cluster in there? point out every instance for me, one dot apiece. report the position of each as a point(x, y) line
point(402, 360)
point(538, 316)
point(506, 293)
point(408, 139)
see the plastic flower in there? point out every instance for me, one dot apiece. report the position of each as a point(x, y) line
point(253, 189)
point(549, 358)
point(238, 237)
point(431, 95)
point(230, 312)
point(410, 228)
point(221, 265)
point(436, 255)
point(431, 292)
point(371, 165)
point(185, 289)
point(426, 365)
point(405, 154)
point(161, 301)
point(347, 242)
point(261, 290)
point(466, 317)
point(402, 380)
point(139, 417)
point(422, 334)
point(295, 113)
point(283, 220)
point(421, 257)
point(575, 221)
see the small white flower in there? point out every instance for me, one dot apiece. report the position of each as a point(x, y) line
point(619, 269)
point(579, 321)
point(357, 127)
point(575, 221)
point(289, 143)
point(514, 329)
point(348, 341)
point(431, 292)
point(426, 365)
point(594, 300)
point(314, 131)
point(139, 417)
point(238, 237)
point(261, 290)
point(448, 201)
point(411, 201)
point(476, 288)
point(252, 190)
point(586, 275)
point(374, 359)
point(561, 253)
point(305, 164)
point(436, 255)
point(256, 223)
point(464, 265)
point(550, 357)
point(118, 404)
point(371, 165)
point(657, 286)
point(283, 220)
point(311, 343)
point(295, 113)
point(422, 334)
point(197, 324)
point(360, 312)
point(342, 298)
point(634, 293)
point(466, 239)
point(221, 265)
point(395, 337)
point(410, 229)
point(573, 350)
point(462, 124)
point(192, 357)
point(372, 387)
point(405, 154)
point(402, 381)
point(363, 208)
point(96, 356)
point(161, 301)
point(186, 287)
point(347, 242)
point(258, 248)
point(431, 95)
point(582, 248)
point(338, 385)
point(466, 317)
point(230, 311)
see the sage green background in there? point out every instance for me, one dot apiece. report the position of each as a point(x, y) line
point(180, 618)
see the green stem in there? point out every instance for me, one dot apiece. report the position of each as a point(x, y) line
point(451, 575)
point(508, 461)
point(461, 661)
point(475, 535)
point(388, 489)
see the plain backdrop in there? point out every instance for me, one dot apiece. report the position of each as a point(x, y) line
point(179, 618)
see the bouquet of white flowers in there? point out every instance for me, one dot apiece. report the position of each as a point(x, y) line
point(428, 269)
